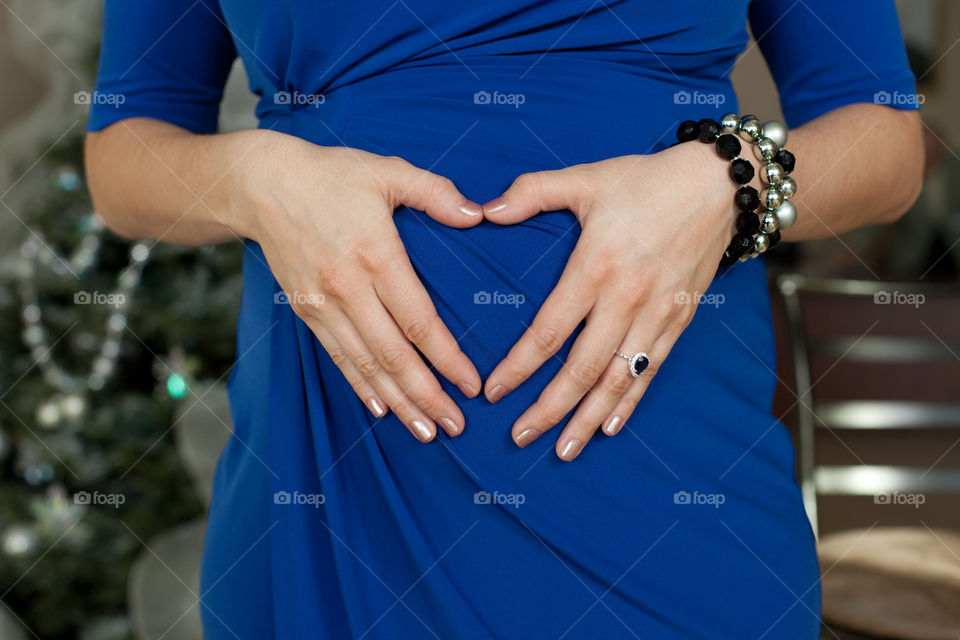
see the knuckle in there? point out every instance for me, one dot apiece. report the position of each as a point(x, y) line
point(439, 186)
point(368, 366)
point(338, 356)
point(530, 184)
point(586, 373)
point(335, 280)
point(547, 340)
point(418, 330)
point(617, 384)
point(394, 357)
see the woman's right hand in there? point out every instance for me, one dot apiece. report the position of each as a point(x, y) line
point(323, 217)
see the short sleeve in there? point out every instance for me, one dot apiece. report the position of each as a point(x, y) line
point(163, 59)
point(825, 54)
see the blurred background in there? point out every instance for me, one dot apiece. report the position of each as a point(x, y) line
point(114, 358)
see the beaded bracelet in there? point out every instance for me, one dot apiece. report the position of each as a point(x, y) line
point(755, 235)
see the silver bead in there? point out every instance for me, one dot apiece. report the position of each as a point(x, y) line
point(766, 148)
point(771, 173)
point(750, 130)
point(788, 187)
point(769, 223)
point(786, 214)
point(730, 122)
point(772, 198)
point(776, 131)
point(761, 243)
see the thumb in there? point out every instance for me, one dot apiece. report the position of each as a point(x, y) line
point(534, 192)
point(435, 195)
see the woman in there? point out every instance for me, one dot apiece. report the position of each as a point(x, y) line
point(380, 295)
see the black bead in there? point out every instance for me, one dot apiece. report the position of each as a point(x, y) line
point(786, 160)
point(687, 131)
point(709, 130)
point(774, 238)
point(728, 146)
point(748, 223)
point(741, 244)
point(747, 198)
point(729, 258)
point(640, 365)
point(741, 171)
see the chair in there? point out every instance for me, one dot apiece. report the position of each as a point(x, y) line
point(891, 352)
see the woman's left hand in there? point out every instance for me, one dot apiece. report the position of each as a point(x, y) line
point(653, 230)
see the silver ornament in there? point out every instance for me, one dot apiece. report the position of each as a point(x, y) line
point(772, 198)
point(771, 173)
point(776, 131)
point(730, 122)
point(766, 148)
point(788, 187)
point(761, 243)
point(769, 223)
point(786, 214)
point(751, 130)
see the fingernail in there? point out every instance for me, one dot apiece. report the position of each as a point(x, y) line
point(452, 427)
point(468, 389)
point(423, 431)
point(495, 206)
point(375, 407)
point(612, 426)
point(471, 208)
point(570, 450)
point(526, 437)
point(496, 393)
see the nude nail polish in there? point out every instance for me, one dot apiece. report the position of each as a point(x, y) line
point(423, 431)
point(495, 206)
point(497, 392)
point(452, 427)
point(613, 425)
point(375, 407)
point(526, 437)
point(467, 388)
point(570, 450)
point(471, 209)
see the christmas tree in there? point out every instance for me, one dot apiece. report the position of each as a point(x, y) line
point(100, 341)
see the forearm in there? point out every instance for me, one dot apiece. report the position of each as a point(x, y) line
point(858, 165)
point(151, 179)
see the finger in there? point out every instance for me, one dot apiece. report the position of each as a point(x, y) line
point(557, 318)
point(403, 295)
point(340, 326)
point(534, 192)
point(398, 359)
point(615, 383)
point(361, 387)
point(435, 195)
point(619, 415)
point(589, 358)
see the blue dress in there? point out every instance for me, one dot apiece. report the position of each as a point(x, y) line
point(689, 524)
